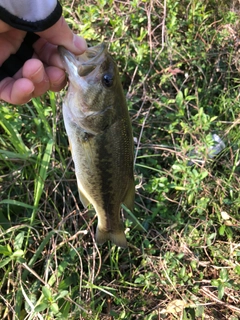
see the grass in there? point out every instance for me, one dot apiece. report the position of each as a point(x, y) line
point(179, 64)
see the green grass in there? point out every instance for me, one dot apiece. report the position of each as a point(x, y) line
point(179, 66)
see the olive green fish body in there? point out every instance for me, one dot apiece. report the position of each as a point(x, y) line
point(100, 135)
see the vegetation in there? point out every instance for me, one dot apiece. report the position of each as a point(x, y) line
point(179, 63)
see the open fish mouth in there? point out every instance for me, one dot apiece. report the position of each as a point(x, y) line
point(86, 62)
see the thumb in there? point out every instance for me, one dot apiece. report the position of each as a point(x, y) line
point(61, 34)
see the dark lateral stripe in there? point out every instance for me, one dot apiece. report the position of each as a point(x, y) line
point(17, 60)
point(106, 171)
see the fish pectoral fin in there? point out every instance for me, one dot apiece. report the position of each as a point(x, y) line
point(117, 237)
point(130, 196)
point(83, 198)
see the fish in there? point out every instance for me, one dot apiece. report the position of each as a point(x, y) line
point(100, 136)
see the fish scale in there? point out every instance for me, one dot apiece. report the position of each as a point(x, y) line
point(100, 135)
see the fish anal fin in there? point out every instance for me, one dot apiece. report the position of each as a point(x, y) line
point(117, 237)
point(83, 198)
point(130, 196)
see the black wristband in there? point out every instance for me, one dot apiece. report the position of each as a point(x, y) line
point(17, 60)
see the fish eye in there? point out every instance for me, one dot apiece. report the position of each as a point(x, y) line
point(107, 80)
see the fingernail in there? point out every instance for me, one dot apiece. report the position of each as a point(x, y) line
point(79, 43)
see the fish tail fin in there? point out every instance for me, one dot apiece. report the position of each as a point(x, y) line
point(117, 237)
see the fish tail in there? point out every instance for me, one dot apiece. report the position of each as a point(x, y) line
point(117, 237)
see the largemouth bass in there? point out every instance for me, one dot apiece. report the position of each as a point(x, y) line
point(100, 136)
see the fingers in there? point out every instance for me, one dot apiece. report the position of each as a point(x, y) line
point(57, 78)
point(33, 70)
point(35, 78)
point(61, 34)
point(10, 41)
point(4, 26)
point(43, 78)
point(35, 81)
point(58, 34)
point(16, 91)
point(48, 53)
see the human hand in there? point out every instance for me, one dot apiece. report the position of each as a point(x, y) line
point(44, 71)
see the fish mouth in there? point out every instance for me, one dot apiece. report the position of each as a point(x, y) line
point(84, 63)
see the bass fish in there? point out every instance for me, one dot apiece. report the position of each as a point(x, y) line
point(100, 136)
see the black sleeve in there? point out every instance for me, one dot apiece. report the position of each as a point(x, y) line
point(30, 15)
